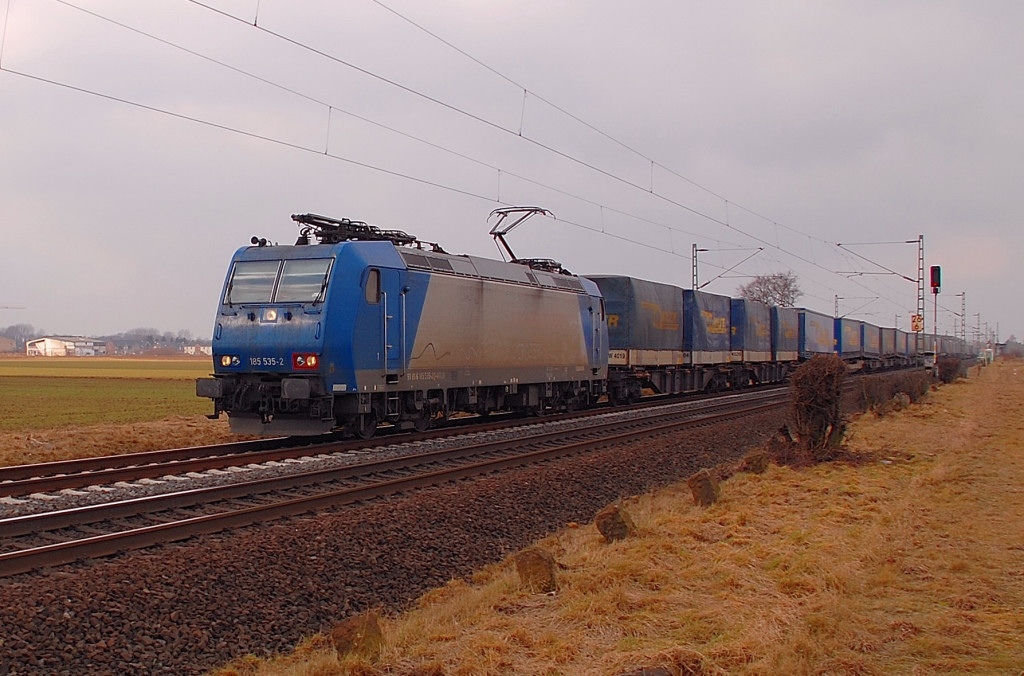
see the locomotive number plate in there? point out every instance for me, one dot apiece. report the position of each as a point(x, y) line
point(266, 361)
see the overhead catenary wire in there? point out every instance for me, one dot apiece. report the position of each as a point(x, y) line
point(731, 269)
point(557, 152)
point(491, 123)
point(653, 163)
point(331, 108)
point(295, 146)
point(448, 106)
point(595, 129)
point(242, 132)
point(626, 146)
point(889, 270)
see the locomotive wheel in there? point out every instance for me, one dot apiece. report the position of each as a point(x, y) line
point(422, 421)
point(364, 426)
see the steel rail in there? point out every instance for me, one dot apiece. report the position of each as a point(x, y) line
point(13, 473)
point(100, 545)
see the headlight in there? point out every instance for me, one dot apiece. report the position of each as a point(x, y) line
point(229, 360)
point(305, 361)
point(269, 314)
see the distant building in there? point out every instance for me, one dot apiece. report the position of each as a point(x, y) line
point(7, 344)
point(65, 346)
point(198, 349)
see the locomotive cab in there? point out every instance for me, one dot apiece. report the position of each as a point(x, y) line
point(275, 371)
point(268, 342)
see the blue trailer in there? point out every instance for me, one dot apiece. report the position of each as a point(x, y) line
point(706, 327)
point(847, 338)
point(889, 351)
point(817, 332)
point(785, 334)
point(871, 339)
point(750, 339)
point(645, 321)
point(752, 359)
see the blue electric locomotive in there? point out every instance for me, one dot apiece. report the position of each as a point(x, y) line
point(366, 326)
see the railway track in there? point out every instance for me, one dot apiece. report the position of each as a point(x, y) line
point(21, 480)
point(62, 536)
point(18, 480)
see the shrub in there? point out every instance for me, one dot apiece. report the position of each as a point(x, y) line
point(817, 395)
point(878, 393)
point(915, 384)
point(949, 369)
point(875, 392)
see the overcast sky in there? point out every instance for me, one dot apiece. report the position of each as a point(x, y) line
point(141, 143)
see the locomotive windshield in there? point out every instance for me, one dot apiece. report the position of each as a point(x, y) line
point(303, 280)
point(291, 281)
point(252, 282)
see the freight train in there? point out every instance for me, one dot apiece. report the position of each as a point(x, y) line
point(353, 327)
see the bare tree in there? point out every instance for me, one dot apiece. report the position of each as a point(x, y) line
point(20, 333)
point(780, 288)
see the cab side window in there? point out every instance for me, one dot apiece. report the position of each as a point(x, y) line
point(373, 287)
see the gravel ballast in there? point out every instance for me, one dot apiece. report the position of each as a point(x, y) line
point(183, 609)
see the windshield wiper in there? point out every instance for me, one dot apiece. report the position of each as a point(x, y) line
point(319, 298)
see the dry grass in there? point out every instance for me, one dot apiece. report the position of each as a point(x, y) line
point(32, 446)
point(911, 562)
point(61, 408)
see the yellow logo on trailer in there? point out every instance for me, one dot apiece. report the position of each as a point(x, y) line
point(715, 324)
point(664, 320)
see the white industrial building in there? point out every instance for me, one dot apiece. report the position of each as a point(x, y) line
point(62, 346)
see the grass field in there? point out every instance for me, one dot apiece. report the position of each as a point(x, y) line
point(47, 393)
point(175, 368)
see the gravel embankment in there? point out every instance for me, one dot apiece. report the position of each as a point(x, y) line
point(185, 608)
